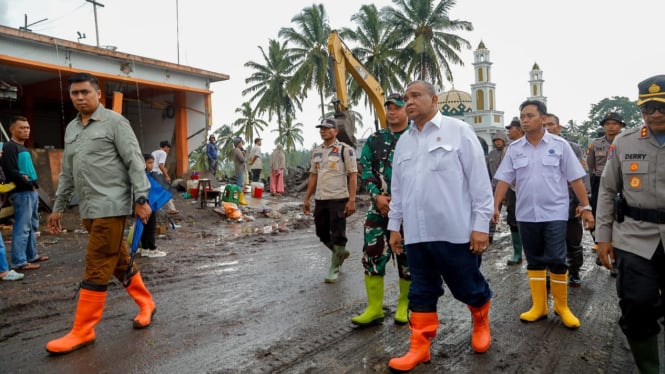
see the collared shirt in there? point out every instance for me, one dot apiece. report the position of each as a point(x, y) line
point(160, 159)
point(103, 163)
point(258, 163)
point(440, 189)
point(332, 169)
point(636, 168)
point(541, 175)
point(597, 155)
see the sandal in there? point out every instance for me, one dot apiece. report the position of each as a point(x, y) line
point(39, 259)
point(12, 276)
point(174, 212)
point(29, 266)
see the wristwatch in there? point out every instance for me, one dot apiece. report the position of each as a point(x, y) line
point(141, 200)
point(587, 207)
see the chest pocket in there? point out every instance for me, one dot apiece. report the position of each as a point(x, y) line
point(551, 167)
point(440, 157)
point(520, 162)
point(635, 175)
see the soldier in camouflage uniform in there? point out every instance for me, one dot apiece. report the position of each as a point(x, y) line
point(376, 160)
point(631, 228)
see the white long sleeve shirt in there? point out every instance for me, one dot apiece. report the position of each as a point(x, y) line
point(440, 187)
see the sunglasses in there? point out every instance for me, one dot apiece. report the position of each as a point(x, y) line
point(651, 108)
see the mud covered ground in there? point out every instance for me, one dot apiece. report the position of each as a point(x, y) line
point(250, 298)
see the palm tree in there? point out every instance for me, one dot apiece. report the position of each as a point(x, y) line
point(311, 51)
point(249, 123)
point(269, 82)
point(290, 134)
point(425, 29)
point(379, 47)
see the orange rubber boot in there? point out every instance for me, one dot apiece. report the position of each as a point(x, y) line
point(423, 328)
point(481, 337)
point(143, 299)
point(88, 313)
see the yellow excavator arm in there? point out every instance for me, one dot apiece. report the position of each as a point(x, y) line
point(342, 60)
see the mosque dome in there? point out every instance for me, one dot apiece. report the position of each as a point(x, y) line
point(454, 103)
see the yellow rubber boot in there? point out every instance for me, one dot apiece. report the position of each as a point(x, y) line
point(423, 328)
point(402, 312)
point(537, 282)
point(374, 312)
point(559, 286)
point(241, 198)
point(143, 299)
point(88, 313)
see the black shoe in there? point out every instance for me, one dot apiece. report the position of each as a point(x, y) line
point(574, 281)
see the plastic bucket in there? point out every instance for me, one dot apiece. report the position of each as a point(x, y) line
point(258, 192)
point(194, 193)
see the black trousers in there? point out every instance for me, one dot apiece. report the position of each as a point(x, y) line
point(330, 222)
point(640, 282)
point(148, 235)
point(574, 249)
point(255, 175)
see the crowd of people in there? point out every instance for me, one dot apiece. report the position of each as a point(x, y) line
point(433, 209)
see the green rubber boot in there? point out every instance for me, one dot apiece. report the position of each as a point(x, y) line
point(645, 353)
point(517, 249)
point(335, 263)
point(341, 252)
point(374, 312)
point(402, 312)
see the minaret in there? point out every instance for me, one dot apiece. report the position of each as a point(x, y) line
point(536, 84)
point(484, 117)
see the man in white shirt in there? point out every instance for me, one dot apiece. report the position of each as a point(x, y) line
point(255, 161)
point(443, 197)
point(160, 168)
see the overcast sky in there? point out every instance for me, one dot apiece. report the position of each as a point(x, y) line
point(587, 49)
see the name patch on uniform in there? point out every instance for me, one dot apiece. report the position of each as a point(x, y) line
point(610, 152)
point(635, 156)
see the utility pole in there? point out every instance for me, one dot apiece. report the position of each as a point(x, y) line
point(95, 4)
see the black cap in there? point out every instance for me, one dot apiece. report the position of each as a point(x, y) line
point(328, 123)
point(613, 116)
point(651, 89)
point(514, 123)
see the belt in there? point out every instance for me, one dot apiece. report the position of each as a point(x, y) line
point(648, 215)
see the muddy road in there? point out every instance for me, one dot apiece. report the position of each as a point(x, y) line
point(250, 298)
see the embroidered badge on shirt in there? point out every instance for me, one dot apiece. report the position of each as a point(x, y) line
point(610, 152)
point(635, 182)
point(643, 133)
point(551, 151)
point(634, 166)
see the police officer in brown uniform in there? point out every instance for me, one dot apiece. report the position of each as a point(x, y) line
point(631, 223)
point(597, 153)
point(334, 177)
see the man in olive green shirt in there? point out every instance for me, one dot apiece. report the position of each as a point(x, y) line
point(102, 162)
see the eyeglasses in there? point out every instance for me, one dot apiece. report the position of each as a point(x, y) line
point(651, 108)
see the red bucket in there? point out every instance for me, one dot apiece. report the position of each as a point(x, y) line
point(258, 192)
point(194, 193)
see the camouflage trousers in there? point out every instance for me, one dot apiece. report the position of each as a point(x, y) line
point(376, 250)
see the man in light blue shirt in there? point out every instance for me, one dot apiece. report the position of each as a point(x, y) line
point(542, 164)
point(443, 198)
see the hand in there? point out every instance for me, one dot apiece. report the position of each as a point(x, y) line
point(305, 206)
point(54, 223)
point(350, 207)
point(606, 254)
point(496, 216)
point(142, 211)
point(479, 242)
point(383, 204)
point(395, 242)
point(587, 218)
point(168, 179)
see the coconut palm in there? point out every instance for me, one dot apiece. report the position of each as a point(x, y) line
point(249, 123)
point(289, 134)
point(378, 49)
point(426, 32)
point(310, 53)
point(268, 82)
